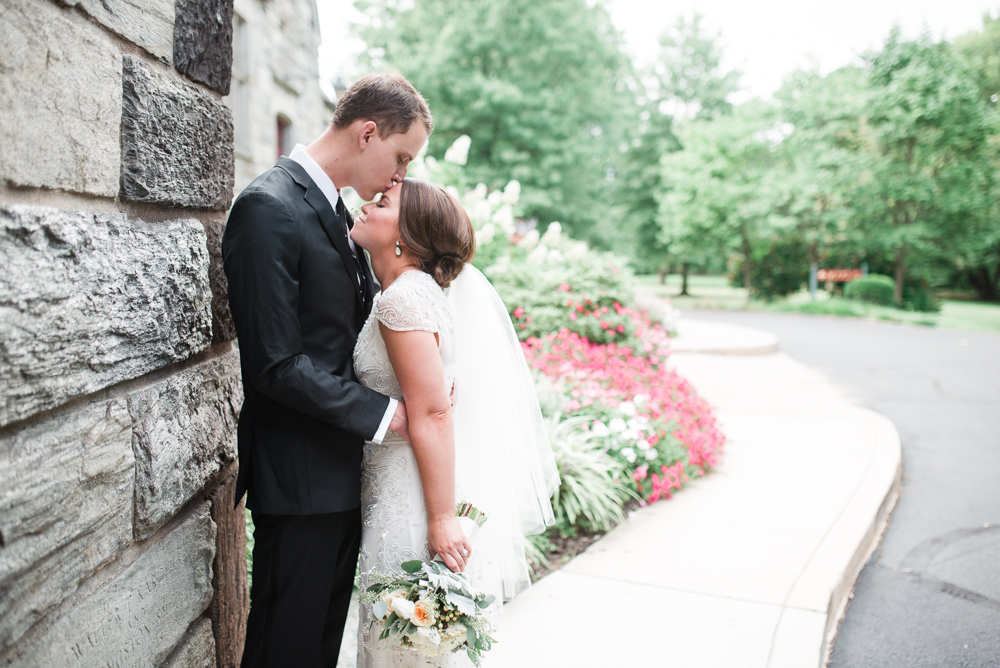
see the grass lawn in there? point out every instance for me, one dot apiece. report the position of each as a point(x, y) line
point(714, 292)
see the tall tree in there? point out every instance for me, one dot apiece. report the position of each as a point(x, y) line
point(823, 116)
point(930, 174)
point(686, 81)
point(540, 87)
point(980, 263)
point(718, 197)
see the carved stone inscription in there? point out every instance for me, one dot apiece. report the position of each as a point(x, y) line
point(137, 618)
point(91, 299)
point(65, 508)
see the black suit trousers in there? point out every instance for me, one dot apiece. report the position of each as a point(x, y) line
point(303, 575)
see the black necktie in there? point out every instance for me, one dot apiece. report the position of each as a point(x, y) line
point(362, 281)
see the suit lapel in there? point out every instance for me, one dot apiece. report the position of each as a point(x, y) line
point(328, 218)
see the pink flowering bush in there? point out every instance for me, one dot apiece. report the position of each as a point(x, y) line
point(647, 416)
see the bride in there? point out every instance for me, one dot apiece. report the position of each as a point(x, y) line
point(476, 432)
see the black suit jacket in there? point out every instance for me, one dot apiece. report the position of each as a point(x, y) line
point(298, 306)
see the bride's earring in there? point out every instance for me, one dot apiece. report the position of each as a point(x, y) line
point(399, 251)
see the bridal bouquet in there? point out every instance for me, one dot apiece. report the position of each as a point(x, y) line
point(431, 610)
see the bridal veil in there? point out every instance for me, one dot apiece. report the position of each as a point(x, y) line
point(504, 462)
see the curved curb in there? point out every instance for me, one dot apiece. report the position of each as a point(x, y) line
point(882, 486)
point(834, 567)
point(716, 338)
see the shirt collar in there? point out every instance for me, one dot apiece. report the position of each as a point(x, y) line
point(316, 173)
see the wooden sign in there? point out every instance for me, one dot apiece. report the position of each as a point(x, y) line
point(838, 275)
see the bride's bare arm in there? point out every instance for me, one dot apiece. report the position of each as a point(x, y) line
point(417, 364)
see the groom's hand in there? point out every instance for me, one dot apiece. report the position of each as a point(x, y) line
point(398, 422)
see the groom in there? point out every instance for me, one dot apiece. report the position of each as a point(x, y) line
point(300, 291)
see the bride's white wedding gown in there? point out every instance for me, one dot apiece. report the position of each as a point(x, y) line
point(394, 518)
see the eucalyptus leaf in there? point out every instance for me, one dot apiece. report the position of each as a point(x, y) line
point(412, 567)
point(471, 636)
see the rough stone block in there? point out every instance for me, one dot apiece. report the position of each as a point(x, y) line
point(147, 23)
point(60, 101)
point(223, 327)
point(137, 617)
point(196, 650)
point(203, 42)
point(177, 142)
point(183, 434)
point(90, 299)
point(66, 490)
point(231, 604)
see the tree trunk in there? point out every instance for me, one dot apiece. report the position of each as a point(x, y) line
point(663, 275)
point(900, 273)
point(984, 284)
point(746, 266)
point(684, 280)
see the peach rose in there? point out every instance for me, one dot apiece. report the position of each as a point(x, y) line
point(423, 613)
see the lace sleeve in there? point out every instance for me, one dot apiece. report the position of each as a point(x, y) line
point(407, 306)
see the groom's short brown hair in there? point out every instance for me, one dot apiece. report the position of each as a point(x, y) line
point(386, 98)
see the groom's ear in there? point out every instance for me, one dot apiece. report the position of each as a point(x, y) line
point(366, 132)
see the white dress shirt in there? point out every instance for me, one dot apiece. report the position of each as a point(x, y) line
point(325, 184)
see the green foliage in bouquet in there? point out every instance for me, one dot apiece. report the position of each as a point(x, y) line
point(430, 610)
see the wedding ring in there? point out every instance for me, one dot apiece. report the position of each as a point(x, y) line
point(464, 552)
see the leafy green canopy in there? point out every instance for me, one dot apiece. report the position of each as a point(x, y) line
point(542, 89)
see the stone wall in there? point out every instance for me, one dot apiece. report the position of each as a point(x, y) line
point(119, 543)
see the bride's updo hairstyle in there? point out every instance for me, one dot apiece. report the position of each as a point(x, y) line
point(436, 229)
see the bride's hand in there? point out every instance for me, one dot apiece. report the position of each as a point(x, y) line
point(446, 539)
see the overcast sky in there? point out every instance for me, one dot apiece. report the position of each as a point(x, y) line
point(765, 39)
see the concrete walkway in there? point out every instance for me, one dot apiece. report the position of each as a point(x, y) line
point(749, 567)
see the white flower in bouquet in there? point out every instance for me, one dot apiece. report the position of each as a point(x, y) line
point(555, 256)
point(627, 407)
point(650, 454)
point(426, 641)
point(403, 607)
point(390, 597)
point(452, 637)
point(640, 400)
point(600, 429)
point(551, 236)
point(458, 152)
point(642, 444)
point(629, 454)
point(617, 425)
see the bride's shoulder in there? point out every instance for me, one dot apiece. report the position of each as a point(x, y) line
point(411, 283)
point(411, 301)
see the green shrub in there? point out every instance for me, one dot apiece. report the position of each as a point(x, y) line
point(778, 268)
point(919, 298)
point(553, 283)
point(594, 485)
point(873, 288)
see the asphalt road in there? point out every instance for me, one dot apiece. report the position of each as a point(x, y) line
point(930, 595)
